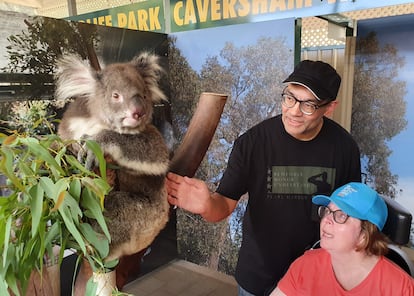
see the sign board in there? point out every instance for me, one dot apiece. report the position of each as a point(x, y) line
point(143, 16)
point(168, 16)
point(197, 14)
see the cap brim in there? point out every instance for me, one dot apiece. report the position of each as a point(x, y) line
point(321, 200)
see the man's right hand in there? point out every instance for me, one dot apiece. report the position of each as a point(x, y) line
point(194, 196)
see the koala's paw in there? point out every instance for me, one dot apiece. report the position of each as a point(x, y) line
point(87, 157)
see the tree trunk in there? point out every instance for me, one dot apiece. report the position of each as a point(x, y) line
point(203, 124)
point(214, 259)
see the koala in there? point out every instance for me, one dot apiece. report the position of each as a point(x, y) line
point(114, 107)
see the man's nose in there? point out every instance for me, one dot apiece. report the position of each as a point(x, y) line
point(296, 109)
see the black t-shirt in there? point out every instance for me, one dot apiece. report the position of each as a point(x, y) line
point(280, 175)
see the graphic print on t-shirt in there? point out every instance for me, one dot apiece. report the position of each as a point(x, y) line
point(296, 182)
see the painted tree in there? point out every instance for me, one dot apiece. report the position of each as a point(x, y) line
point(251, 75)
point(378, 109)
point(36, 49)
point(31, 57)
point(184, 85)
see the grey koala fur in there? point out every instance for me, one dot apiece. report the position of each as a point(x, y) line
point(114, 107)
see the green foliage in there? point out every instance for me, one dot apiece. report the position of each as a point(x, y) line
point(32, 117)
point(49, 199)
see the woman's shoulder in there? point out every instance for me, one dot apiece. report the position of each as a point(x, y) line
point(392, 269)
point(316, 252)
point(313, 255)
point(393, 278)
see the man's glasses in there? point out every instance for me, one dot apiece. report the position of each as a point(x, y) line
point(306, 107)
point(339, 216)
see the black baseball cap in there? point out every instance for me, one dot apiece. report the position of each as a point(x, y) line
point(317, 76)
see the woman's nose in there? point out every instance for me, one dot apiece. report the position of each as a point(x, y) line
point(328, 218)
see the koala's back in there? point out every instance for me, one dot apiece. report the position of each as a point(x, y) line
point(78, 122)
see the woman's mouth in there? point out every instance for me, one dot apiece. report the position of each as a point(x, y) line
point(326, 234)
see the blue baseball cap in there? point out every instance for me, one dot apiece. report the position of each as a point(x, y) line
point(359, 201)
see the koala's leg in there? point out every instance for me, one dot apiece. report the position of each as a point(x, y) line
point(134, 220)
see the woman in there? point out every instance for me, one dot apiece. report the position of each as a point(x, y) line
point(351, 258)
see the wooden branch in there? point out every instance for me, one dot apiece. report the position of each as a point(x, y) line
point(200, 132)
point(86, 32)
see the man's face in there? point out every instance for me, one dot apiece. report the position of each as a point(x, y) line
point(299, 125)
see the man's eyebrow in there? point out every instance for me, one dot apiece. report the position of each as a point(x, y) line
point(314, 100)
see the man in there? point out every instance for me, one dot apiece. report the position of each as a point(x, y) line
point(281, 163)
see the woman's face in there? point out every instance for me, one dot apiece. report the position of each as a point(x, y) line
point(337, 237)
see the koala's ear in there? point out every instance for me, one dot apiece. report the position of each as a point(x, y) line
point(148, 67)
point(74, 78)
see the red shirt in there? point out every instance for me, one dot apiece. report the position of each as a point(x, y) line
point(312, 274)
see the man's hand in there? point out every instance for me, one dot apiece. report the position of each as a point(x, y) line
point(194, 196)
point(190, 194)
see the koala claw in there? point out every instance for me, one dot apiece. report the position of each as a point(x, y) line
point(87, 157)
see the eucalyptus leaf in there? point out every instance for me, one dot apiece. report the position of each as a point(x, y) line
point(13, 285)
point(3, 287)
point(50, 192)
point(6, 239)
point(61, 185)
point(99, 242)
point(48, 186)
point(36, 192)
point(96, 149)
point(42, 153)
point(111, 264)
point(90, 183)
point(7, 167)
point(91, 287)
point(25, 169)
point(94, 209)
point(76, 164)
point(67, 218)
point(52, 189)
point(60, 155)
point(102, 185)
point(52, 233)
point(75, 189)
point(75, 210)
point(32, 247)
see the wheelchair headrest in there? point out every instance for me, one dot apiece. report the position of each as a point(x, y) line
point(398, 224)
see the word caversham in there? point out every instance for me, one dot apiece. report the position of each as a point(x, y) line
point(199, 11)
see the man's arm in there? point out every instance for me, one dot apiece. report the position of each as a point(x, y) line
point(194, 196)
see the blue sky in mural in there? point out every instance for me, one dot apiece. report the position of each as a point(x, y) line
point(197, 45)
point(400, 32)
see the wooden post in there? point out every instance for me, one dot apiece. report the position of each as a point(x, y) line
point(200, 132)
